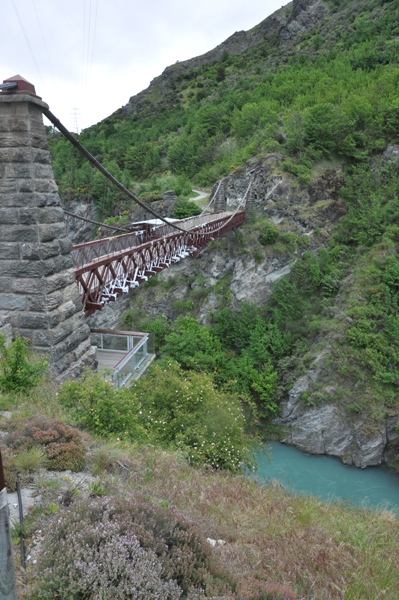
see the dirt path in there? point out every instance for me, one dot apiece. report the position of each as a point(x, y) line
point(201, 195)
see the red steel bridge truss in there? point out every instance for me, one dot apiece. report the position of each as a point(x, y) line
point(109, 267)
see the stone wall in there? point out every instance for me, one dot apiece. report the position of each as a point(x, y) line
point(5, 328)
point(38, 291)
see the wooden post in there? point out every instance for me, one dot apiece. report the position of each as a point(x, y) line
point(8, 589)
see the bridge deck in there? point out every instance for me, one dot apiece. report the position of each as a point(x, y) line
point(109, 267)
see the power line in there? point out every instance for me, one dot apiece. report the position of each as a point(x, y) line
point(94, 35)
point(43, 39)
point(88, 48)
point(90, 14)
point(84, 45)
point(87, 24)
point(26, 38)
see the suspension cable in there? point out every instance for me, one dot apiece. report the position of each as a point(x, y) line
point(243, 199)
point(67, 212)
point(102, 169)
point(212, 198)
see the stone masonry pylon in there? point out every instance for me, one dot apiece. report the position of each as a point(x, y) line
point(220, 199)
point(38, 291)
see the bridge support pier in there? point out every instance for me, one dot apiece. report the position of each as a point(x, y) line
point(38, 291)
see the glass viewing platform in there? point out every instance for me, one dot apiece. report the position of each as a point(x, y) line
point(123, 355)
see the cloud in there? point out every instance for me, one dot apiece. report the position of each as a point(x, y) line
point(93, 55)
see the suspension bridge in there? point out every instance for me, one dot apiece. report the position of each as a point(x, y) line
point(109, 267)
point(44, 281)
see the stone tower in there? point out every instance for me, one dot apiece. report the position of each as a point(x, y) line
point(38, 293)
point(220, 198)
point(250, 208)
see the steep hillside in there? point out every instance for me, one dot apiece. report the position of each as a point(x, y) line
point(299, 308)
point(316, 79)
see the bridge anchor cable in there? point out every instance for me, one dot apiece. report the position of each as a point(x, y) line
point(101, 168)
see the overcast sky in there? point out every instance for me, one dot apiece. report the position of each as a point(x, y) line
point(86, 58)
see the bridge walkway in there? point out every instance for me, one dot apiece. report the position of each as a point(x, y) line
point(109, 267)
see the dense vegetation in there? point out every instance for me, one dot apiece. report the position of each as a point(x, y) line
point(331, 92)
point(137, 518)
point(344, 297)
point(167, 450)
point(167, 408)
point(322, 94)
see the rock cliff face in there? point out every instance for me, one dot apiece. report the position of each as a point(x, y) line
point(278, 197)
point(328, 429)
point(307, 213)
point(305, 15)
point(78, 230)
point(235, 264)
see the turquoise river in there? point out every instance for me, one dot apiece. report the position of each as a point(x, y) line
point(329, 479)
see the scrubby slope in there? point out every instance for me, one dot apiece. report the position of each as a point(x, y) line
point(305, 105)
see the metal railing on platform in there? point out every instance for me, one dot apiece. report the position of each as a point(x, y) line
point(123, 355)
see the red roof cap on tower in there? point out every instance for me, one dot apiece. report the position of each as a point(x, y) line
point(23, 84)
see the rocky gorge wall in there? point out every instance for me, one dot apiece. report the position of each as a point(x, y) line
point(237, 268)
point(330, 429)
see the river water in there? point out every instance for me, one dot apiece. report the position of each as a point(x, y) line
point(329, 479)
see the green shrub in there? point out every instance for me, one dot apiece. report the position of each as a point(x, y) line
point(31, 460)
point(303, 172)
point(193, 346)
point(62, 445)
point(158, 326)
point(185, 208)
point(236, 352)
point(184, 410)
point(169, 407)
point(19, 372)
point(269, 234)
point(97, 405)
point(182, 306)
point(373, 333)
point(371, 197)
point(265, 384)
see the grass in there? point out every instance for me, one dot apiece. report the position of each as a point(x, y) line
point(320, 550)
point(40, 400)
point(31, 460)
point(278, 545)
